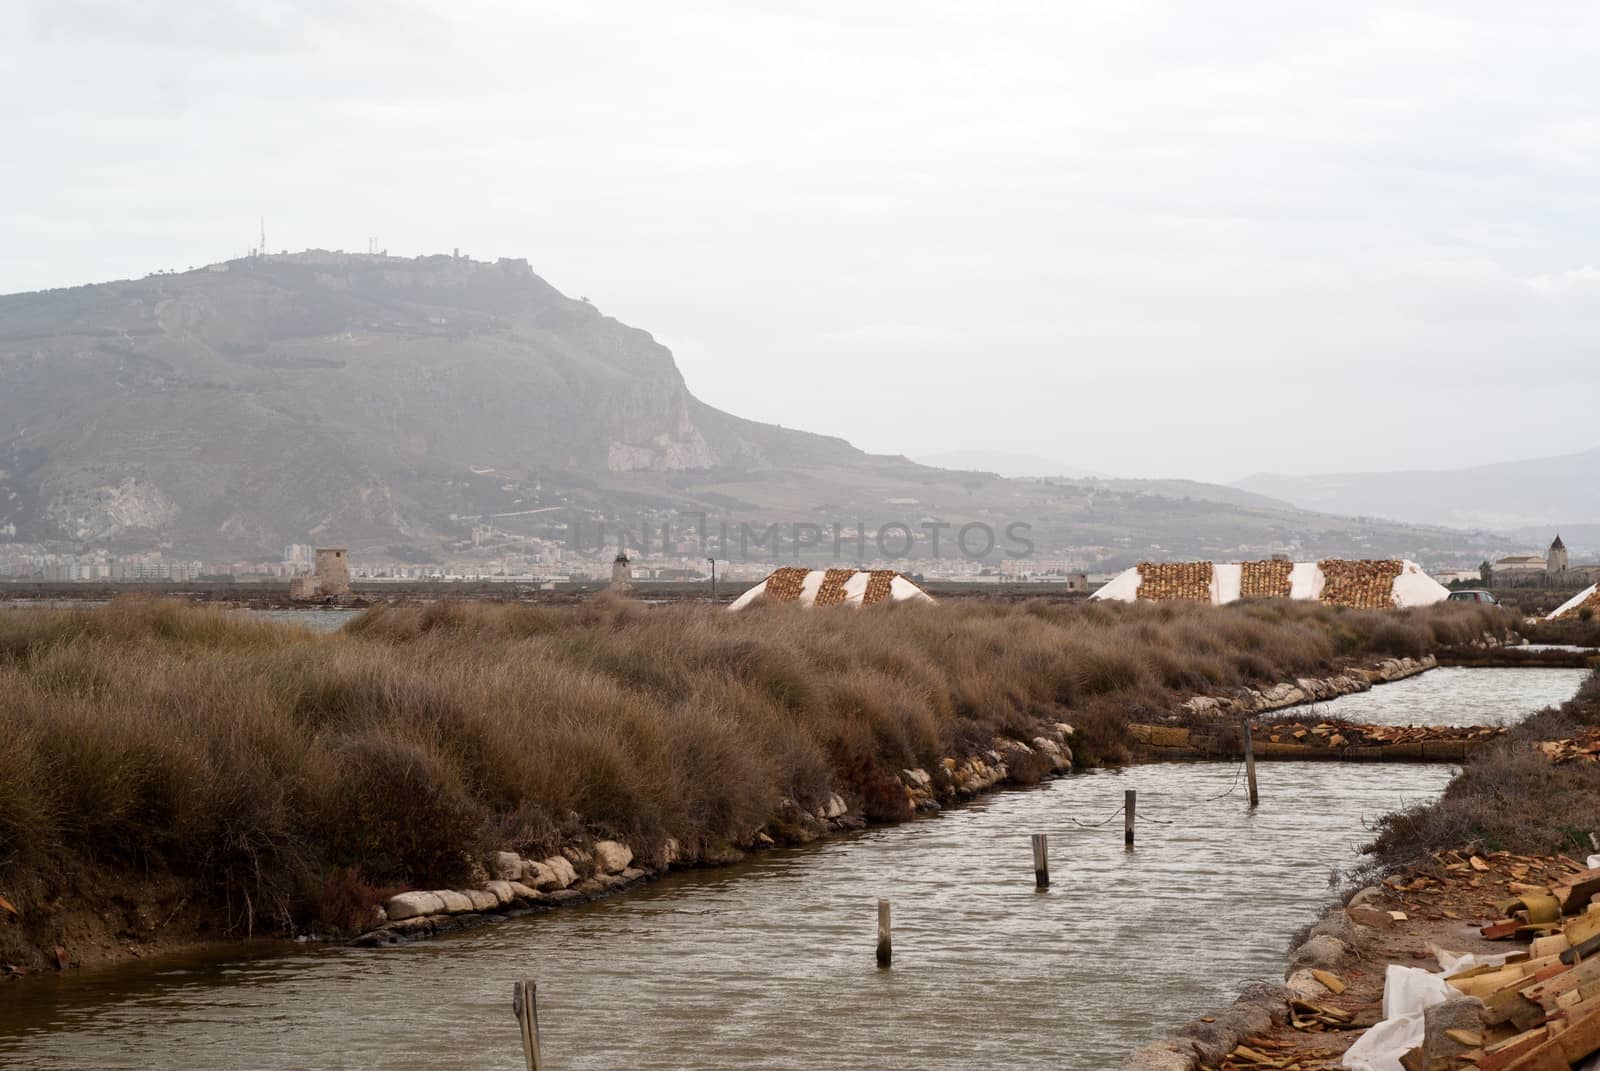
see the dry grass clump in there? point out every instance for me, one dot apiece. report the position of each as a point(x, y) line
point(266, 763)
point(1509, 798)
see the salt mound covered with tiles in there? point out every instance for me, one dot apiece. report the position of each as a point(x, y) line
point(1588, 598)
point(833, 587)
point(1364, 585)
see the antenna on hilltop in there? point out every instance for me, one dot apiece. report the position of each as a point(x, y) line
point(262, 249)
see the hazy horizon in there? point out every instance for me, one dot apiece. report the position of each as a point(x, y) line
point(1134, 238)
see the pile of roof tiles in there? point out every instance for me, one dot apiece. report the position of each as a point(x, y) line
point(879, 585)
point(831, 591)
point(784, 584)
point(1175, 580)
point(1265, 580)
point(1584, 747)
point(1359, 585)
point(1349, 734)
point(1541, 1009)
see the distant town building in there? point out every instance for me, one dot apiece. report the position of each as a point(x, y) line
point(1553, 569)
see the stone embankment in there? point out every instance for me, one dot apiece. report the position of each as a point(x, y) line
point(1217, 735)
point(1310, 689)
point(584, 871)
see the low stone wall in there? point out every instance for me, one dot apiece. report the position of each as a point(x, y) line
point(1223, 713)
point(588, 870)
point(1310, 689)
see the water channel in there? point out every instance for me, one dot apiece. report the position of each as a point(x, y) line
point(769, 964)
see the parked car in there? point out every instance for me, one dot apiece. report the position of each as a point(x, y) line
point(1474, 595)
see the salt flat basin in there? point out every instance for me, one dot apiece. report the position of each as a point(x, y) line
point(769, 964)
point(1454, 695)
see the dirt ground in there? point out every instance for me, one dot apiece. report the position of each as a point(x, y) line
point(112, 919)
point(1443, 904)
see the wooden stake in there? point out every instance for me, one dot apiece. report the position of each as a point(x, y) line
point(1041, 861)
point(885, 949)
point(524, 1004)
point(1130, 803)
point(1250, 764)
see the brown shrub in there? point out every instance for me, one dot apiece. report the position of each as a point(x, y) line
point(1509, 797)
point(260, 759)
point(344, 903)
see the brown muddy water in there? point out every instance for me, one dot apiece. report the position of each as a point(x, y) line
point(769, 964)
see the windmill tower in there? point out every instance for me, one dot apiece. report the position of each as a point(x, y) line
point(1556, 560)
point(621, 571)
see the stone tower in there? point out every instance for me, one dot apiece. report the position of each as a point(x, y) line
point(333, 571)
point(621, 571)
point(1556, 560)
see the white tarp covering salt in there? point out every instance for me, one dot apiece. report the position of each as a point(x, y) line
point(1226, 582)
point(1124, 587)
point(1573, 603)
point(847, 587)
point(1305, 581)
point(1408, 992)
point(1413, 587)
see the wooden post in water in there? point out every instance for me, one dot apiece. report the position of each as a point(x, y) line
point(524, 1005)
point(885, 947)
point(1130, 802)
point(1041, 861)
point(1250, 764)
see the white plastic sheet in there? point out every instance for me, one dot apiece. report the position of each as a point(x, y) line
point(1407, 994)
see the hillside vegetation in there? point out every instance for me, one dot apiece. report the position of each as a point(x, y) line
point(255, 760)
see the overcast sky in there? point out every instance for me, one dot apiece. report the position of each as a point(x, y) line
point(1144, 238)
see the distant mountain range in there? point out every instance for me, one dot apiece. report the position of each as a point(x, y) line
point(1542, 494)
point(436, 407)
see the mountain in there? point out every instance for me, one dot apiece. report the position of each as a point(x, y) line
point(439, 406)
point(1542, 493)
point(1012, 466)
